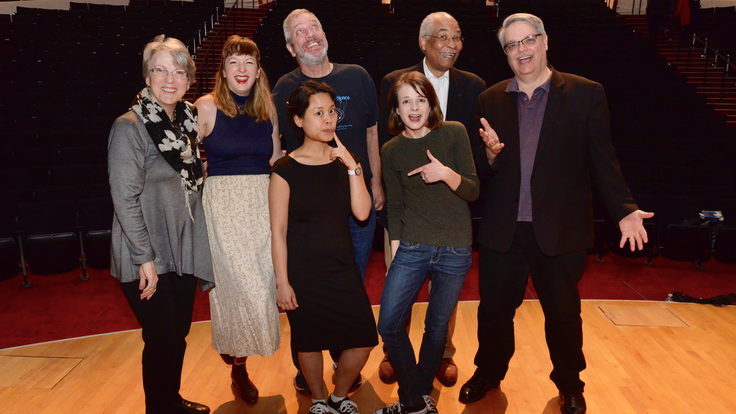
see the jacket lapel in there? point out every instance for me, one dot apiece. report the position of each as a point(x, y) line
point(509, 118)
point(551, 115)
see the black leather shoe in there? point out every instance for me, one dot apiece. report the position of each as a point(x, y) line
point(190, 407)
point(572, 403)
point(476, 388)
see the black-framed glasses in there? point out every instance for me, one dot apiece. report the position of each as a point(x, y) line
point(528, 41)
point(445, 38)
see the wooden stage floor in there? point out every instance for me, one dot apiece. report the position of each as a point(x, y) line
point(643, 357)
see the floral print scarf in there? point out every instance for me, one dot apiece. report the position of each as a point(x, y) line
point(176, 140)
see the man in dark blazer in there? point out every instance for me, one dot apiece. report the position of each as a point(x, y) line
point(545, 142)
point(440, 39)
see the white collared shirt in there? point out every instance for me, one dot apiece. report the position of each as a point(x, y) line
point(441, 86)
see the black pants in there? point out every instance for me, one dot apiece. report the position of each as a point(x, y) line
point(502, 282)
point(165, 319)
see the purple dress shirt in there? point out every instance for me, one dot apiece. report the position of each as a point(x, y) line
point(531, 115)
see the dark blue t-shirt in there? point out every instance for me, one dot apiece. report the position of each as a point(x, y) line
point(357, 106)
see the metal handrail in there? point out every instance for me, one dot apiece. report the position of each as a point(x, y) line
point(716, 53)
point(716, 56)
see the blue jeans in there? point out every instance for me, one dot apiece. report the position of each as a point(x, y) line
point(362, 234)
point(411, 266)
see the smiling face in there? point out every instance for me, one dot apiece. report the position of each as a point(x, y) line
point(442, 54)
point(528, 63)
point(307, 42)
point(413, 109)
point(240, 73)
point(166, 88)
point(320, 118)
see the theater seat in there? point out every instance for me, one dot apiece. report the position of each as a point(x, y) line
point(724, 249)
point(50, 237)
point(9, 247)
point(95, 219)
point(687, 242)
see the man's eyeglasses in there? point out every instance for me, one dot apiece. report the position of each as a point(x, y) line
point(159, 72)
point(528, 41)
point(445, 38)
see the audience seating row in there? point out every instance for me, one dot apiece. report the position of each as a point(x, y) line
point(55, 236)
point(694, 242)
point(71, 73)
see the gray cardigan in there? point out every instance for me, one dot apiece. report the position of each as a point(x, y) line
point(151, 220)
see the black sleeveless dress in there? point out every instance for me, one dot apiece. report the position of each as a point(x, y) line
point(334, 311)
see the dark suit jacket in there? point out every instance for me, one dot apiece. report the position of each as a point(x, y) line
point(574, 151)
point(462, 98)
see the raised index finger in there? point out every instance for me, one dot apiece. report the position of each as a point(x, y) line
point(487, 126)
point(337, 141)
point(415, 171)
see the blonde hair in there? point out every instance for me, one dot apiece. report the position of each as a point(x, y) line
point(259, 105)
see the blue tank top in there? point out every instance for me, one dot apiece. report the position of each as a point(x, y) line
point(240, 145)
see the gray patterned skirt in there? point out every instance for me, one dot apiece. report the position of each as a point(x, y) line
point(245, 319)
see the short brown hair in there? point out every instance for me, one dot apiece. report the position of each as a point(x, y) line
point(421, 85)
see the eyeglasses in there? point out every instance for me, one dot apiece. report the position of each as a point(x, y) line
point(159, 72)
point(445, 38)
point(528, 41)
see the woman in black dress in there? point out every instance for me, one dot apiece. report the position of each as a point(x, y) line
point(312, 192)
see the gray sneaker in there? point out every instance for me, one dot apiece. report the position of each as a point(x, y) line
point(321, 407)
point(431, 404)
point(344, 406)
point(398, 408)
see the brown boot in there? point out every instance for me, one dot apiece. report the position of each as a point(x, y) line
point(386, 371)
point(447, 373)
point(242, 385)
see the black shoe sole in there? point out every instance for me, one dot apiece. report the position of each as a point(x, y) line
point(478, 397)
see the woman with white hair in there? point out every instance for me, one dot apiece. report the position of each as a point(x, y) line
point(159, 237)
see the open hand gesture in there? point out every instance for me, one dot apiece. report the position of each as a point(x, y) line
point(490, 140)
point(343, 154)
point(632, 230)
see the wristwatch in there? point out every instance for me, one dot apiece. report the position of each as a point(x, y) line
point(356, 171)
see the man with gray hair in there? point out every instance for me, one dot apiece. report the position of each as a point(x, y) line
point(441, 41)
point(356, 122)
point(357, 111)
point(550, 142)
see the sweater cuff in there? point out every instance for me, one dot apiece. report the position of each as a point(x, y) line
point(466, 189)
